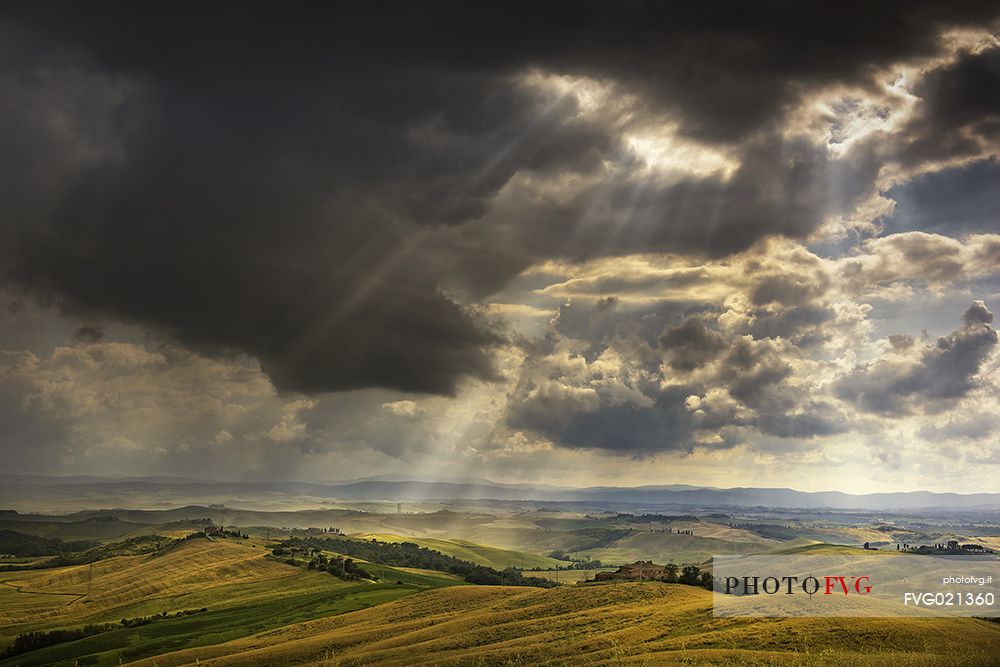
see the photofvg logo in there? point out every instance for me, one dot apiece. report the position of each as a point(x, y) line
point(788, 585)
point(867, 584)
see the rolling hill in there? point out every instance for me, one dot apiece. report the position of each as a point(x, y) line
point(233, 585)
point(618, 624)
point(667, 547)
point(113, 583)
point(499, 559)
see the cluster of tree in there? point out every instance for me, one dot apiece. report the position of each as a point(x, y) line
point(23, 545)
point(689, 574)
point(146, 620)
point(407, 554)
point(229, 533)
point(345, 568)
point(32, 641)
point(587, 564)
point(487, 576)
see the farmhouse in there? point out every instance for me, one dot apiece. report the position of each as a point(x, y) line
point(638, 571)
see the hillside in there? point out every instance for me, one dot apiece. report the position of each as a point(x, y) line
point(823, 548)
point(234, 587)
point(665, 547)
point(84, 590)
point(655, 624)
point(499, 559)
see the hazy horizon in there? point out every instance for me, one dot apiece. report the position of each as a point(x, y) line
point(431, 481)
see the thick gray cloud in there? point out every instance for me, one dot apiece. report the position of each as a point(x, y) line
point(88, 334)
point(959, 113)
point(621, 428)
point(631, 392)
point(264, 180)
point(932, 379)
point(691, 344)
point(799, 323)
point(611, 400)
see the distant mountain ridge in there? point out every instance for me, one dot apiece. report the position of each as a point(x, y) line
point(21, 487)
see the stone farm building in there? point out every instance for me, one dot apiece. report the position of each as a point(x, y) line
point(638, 571)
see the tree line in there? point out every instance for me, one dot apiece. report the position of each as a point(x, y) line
point(345, 568)
point(689, 574)
point(23, 545)
point(32, 641)
point(408, 554)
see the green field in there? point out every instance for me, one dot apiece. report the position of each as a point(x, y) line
point(499, 559)
point(615, 624)
point(211, 627)
point(667, 547)
point(243, 590)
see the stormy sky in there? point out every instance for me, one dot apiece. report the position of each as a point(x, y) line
point(739, 244)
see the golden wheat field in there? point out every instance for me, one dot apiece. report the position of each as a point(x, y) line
point(69, 593)
point(619, 624)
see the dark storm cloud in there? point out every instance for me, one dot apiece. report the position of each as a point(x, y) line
point(752, 368)
point(787, 290)
point(88, 334)
point(819, 420)
point(633, 329)
point(960, 113)
point(726, 68)
point(783, 187)
point(789, 323)
point(623, 393)
point(933, 380)
point(262, 178)
point(666, 426)
point(614, 403)
point(691, 344)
